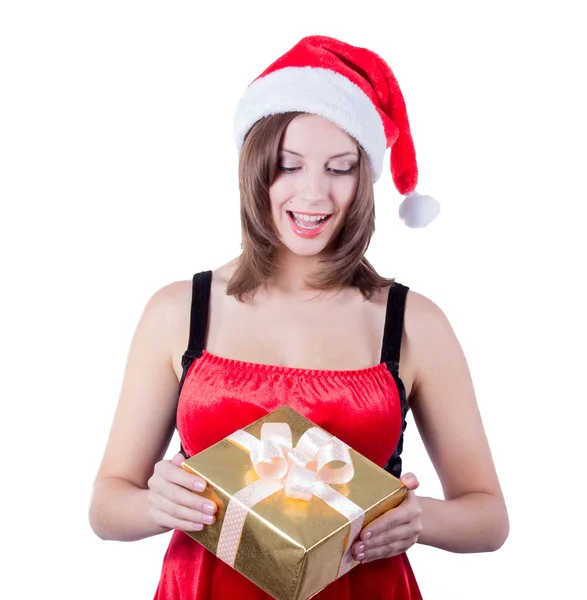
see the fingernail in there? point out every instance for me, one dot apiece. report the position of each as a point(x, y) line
point(361, 556)
point(199, 485)
point(368, 535)
point(209, 507)
point(198, 526)
point(362, 548)
point(208, 519)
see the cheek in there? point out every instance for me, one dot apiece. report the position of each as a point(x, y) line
point(280, 191)
point(279, 194)
point(345, 193)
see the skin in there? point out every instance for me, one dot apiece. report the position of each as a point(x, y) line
point(138, 494)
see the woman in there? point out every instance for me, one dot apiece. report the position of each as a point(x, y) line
point(302, 318)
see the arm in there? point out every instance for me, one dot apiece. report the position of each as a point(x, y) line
point(143, 422)
point(472, 517)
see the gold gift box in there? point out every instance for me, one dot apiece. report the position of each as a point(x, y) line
point(290, 548)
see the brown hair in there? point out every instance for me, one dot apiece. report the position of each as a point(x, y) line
point(346, 266)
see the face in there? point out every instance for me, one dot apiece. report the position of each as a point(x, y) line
point(316, 182)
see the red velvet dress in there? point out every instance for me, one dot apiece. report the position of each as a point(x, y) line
point(363, 408)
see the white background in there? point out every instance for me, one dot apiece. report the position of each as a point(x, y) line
point(118, 175)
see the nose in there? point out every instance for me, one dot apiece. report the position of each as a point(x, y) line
point(313, 185)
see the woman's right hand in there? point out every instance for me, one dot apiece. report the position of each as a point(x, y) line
point(172, 502)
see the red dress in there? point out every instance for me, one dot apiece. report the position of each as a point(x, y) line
point(365, 408)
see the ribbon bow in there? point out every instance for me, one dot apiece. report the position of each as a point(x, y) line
point(307, 470)
point(317, 459)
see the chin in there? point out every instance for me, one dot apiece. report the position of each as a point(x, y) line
point(304, 248)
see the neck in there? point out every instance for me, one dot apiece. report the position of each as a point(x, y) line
point(292, 272)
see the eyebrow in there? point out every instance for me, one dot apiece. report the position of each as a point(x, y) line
point(329, 158)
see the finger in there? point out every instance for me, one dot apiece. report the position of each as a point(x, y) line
point(405, 512)
point(195, 482)
point(384, 539)
point(173, 473)
point(184, 512)
point(410, 481)
point(392, 518)
point(178, 459)
point(182, 497)
point(392, 536)
point(388, 551)
point(170, 522)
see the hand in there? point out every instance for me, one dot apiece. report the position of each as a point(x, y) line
point(394, 531)
point(172, 502)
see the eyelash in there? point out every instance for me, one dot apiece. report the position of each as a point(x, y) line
point(337, 172)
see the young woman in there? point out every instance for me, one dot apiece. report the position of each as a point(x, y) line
point(301, 318)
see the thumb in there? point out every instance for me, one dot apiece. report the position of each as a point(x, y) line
point(178, 459)
point(410, 481)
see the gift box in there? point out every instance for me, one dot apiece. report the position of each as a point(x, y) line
point(292, 499)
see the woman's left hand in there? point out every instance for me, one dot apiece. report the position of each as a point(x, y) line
point(394, 531)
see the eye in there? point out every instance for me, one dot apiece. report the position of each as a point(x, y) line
point(288, 169)
point(342, 171)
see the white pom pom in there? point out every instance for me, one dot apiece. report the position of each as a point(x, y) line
point(417, 210)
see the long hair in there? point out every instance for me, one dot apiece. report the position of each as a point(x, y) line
point(345, 266)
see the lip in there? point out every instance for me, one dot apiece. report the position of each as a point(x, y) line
point(309, 214)
point(308, 233)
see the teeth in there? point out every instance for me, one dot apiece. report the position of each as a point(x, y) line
point(308, 221)
point(308, 218)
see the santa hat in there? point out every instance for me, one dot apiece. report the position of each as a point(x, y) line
point(353, 88)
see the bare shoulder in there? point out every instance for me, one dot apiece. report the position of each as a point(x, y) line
point(430, 340)
point(169, 302)
point(419, 313)
point(422, 313)
point(425, 323)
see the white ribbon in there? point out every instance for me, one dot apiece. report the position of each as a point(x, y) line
point(302, 472)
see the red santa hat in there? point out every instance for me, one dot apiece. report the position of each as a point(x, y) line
point(353, 88)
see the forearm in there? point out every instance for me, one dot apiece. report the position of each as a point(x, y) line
point(119, 511)
point(472, 523)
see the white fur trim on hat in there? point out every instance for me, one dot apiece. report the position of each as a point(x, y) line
point(315, 91)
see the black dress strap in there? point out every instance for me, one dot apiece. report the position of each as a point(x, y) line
point(394, 326)
point(200, 307)
point(199, 316)
point(390, 355)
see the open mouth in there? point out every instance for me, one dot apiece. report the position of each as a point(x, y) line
point(308, 222)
